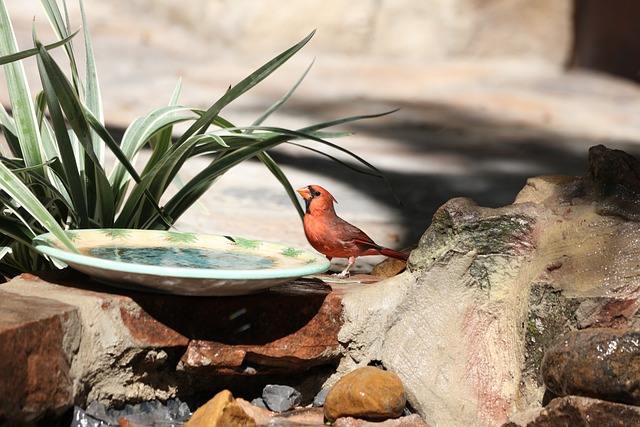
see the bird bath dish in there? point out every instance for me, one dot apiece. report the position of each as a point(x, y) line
point(181, 263)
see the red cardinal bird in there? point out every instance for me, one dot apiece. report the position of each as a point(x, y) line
point(334, 237)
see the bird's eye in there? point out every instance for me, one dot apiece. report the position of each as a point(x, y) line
point(316, 193)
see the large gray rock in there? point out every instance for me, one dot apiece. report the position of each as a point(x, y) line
point(487, 290)
point(451, 328)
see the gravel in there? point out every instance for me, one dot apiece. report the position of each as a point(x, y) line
point(173, 413)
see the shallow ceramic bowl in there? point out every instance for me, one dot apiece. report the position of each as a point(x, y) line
point(181, 263)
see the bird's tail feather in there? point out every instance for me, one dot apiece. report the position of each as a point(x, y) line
point(394, 254)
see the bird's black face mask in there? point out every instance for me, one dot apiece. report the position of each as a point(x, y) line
point(312, 195)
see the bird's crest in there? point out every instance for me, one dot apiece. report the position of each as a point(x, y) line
point(317, 191)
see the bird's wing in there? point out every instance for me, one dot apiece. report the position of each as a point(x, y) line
point(363, 241)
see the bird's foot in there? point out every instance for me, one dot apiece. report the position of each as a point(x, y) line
point(342, 275)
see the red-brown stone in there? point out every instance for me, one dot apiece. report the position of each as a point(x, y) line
point(582, 411)
point(613, 313)
point(290, 329)
point(34, 357)
point(602, 363)
point(146, 330)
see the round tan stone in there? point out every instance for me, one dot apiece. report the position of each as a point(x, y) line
point(369, 393)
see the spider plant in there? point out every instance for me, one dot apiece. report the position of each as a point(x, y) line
point(52, 173)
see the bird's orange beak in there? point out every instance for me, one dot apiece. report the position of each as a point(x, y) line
point(304, 192)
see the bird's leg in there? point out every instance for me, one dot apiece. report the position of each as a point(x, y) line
point(345, 273)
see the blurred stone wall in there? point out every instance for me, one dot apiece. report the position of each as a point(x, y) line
point(607, 34)
point(408, 30)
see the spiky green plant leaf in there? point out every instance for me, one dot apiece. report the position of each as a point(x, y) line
point(23, 196)
point(52, 173)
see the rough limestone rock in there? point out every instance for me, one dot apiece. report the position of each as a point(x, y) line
point(451, 327)
point(221, 411)
point(369, 393)
point(487, 290)
point(602, 363)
